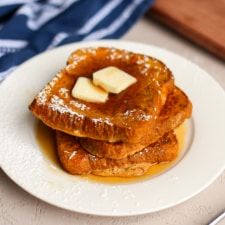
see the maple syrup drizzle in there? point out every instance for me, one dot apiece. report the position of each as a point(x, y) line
point(46, 140)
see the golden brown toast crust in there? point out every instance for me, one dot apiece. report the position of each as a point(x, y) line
point(125, 116)
point(176, 109)
point(76, 160)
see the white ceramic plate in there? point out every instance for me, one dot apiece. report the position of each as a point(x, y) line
point(23, 161)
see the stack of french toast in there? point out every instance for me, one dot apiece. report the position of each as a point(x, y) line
point(114, 112)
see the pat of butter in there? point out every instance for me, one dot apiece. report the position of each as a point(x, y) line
point(85, 90)
point(113, 79)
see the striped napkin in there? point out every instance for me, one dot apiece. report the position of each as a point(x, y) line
point(28, 27)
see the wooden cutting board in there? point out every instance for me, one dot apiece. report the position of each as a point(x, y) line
point(202, 21)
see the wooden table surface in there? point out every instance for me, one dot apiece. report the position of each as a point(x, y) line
point(20, 208)
point(201, 21)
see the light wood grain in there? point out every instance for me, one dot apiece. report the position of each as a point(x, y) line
point(202, 21)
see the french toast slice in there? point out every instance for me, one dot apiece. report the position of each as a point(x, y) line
point(125, 116)
point(76, 160)
point(176, 109)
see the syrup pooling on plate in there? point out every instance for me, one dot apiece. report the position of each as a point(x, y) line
point(46, 141)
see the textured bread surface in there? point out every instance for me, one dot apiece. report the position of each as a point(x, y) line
point(76, 160)
point(126, 116)
point(176, 109)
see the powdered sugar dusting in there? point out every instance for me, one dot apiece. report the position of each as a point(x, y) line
point(78, 58)
point(43, 95)
point(140, 61)
point(102, 120)
point(75, 60)
point(114, 54)
point(79, 105)
point(138, 114)
point(64, 92)
point(144, 117)
point(144, 64)
point(129, 112)
point(57, 104)
point(89, 50)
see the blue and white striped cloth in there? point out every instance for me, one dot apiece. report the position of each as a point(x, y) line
point(28, 27)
